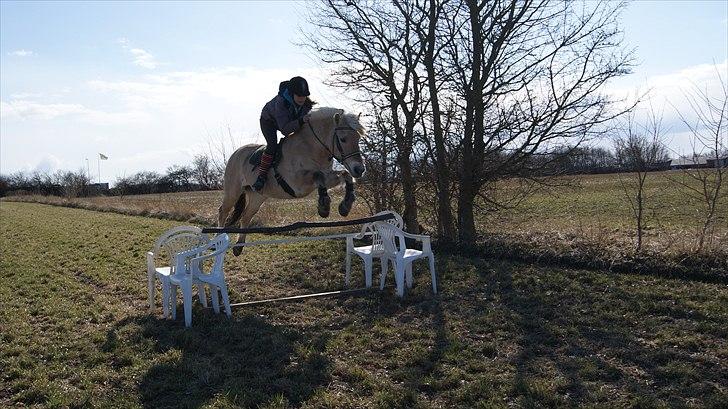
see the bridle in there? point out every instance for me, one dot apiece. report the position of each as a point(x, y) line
point(336, 143)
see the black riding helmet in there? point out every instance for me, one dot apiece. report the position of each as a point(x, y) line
point(298, 86)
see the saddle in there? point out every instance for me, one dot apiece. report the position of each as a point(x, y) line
point(255, 161)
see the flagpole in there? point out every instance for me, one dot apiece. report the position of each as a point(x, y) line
point(99, 159)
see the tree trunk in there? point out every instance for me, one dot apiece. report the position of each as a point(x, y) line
point(444, 212)
point(473, 142)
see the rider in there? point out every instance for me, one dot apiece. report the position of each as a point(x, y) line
point(286, 112)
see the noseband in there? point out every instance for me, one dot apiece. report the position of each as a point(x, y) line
point(336, 143)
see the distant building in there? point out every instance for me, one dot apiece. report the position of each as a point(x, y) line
point(657, 166)
point(685, 162)
point(98, 188)
point(722, 163)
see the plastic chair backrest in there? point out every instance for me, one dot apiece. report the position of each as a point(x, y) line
point(177, 240)
point(217, 246)
point(387, 233)
point(377, 244)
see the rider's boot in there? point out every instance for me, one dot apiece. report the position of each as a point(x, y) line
point(265, 162)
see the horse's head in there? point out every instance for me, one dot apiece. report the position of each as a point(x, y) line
point(345, 131)
point(348, 131)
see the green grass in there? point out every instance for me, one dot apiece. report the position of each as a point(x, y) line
point(594, 208)
point(581, 211)
point(75, 330)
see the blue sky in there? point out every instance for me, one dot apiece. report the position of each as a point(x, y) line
point(153, 84)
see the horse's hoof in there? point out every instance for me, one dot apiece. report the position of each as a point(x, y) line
point(324, 206)
point(237, 251)
point(344, 209)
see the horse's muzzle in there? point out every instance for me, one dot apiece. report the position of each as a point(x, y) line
point(357, 171)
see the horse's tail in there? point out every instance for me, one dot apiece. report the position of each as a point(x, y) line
point(238, 211)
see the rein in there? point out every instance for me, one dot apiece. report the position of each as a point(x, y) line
point(336, 143)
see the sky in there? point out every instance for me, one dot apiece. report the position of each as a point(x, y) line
point(150, 85)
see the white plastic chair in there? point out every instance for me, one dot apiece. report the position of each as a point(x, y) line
point(393, 240)
point(170, 243)
point(189, 272)
point(215, 278)
point(370, 252)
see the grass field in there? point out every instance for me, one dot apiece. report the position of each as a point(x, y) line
point(75, 330)
point(583, 221)
point(591, 208)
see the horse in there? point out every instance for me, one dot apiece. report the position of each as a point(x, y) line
point(303, 163)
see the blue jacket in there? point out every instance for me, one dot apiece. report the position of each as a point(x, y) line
point(286, 115)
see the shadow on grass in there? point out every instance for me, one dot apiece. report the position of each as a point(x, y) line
point(570, 344)
point(244, 361)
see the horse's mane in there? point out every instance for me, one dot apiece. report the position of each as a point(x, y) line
point(327, 113)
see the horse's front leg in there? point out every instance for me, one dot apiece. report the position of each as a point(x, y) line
point(349, 197)
point(324, 200)
point(324, 181)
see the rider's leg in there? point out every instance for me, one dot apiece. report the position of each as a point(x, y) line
point(271, 137)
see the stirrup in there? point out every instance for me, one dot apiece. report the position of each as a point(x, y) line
point(259, 183)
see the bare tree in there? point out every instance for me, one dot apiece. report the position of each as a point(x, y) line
point(517, 78)
point(220, 146)
point(74, 184)
point(709, 139)
point(639, 149)
point(379, 59)
point(205, 174)
point(530, 75)
point(378, 189)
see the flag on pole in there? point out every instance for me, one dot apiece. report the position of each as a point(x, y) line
point(102, 156)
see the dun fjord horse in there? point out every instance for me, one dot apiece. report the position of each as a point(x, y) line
point(303, 163)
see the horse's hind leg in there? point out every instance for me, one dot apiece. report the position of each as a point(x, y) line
point(229, 199)
point(252, 205)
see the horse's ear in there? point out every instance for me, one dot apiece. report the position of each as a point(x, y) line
point(358, 116)
point(337, 118)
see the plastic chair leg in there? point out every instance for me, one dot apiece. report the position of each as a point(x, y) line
point(399, 277)
point(368, 271)
point(433, 275)
point(166, 301)
point(408, 275)
point(201, 294)
point(215, 299)
point(173, 301)
point(187, 299)
point(226, 300)
point(347, 277)
point(150, 290)
point(383, 275)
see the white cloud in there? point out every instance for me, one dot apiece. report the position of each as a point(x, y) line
point(150, 121)
point(671, 87)
point(228, 89)
point(666, 93)
point(29, 110)
point(141, 57)
point(22, 53)
point(47, 164)
point(25, 109)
